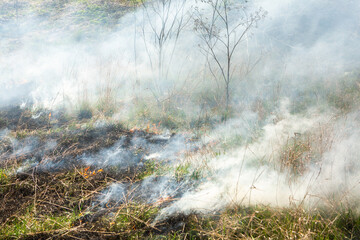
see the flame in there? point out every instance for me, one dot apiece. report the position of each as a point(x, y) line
point(163, 200)
point(134, 129)
point(154, 128)
point(86, 173)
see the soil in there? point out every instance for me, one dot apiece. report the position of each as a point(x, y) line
point(54, 180)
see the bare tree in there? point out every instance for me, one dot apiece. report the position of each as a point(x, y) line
point(165, 21)
point(222, 26)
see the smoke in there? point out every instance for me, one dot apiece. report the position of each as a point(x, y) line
point(133, 151)
point(251, 174)
point(338, 180)
point(29, 152)
point(115, 193)
point(325, 32)
point(294, 46)
point(299, 52)
point(155, 190)
point(25, 146)
point(248, 175)
point(118, 155)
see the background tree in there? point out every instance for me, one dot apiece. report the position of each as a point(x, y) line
point(222, 26)
point(163, 22)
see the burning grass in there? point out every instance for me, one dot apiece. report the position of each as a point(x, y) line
point(86, 176)
point(50, 190)
point(68, 189)
point(71, 199)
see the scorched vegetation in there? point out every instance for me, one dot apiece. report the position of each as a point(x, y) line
point(179, 119)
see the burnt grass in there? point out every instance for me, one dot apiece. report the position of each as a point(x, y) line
point(57, 183)
point(48, 189)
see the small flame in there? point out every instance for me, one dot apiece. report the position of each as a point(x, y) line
point(163, 200)
point(134, 129)
point(86, 173)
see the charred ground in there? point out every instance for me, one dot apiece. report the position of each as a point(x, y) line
point(41, 183)
point(54, 192)
point(106, 168)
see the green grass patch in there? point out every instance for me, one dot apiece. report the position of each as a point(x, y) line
point(132, 217)
point(263, 222)
point(154, 167)
point(30, 223)
point(4, 176)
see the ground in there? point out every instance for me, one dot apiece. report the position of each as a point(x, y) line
point(83, 173)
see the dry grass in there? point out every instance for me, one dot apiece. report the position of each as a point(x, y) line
point(304, 150)
point(62, 200)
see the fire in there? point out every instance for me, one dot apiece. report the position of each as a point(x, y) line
point(163, 200)
point(86, 173)
point(4, 175)
point(154, 128)
point(134, 129)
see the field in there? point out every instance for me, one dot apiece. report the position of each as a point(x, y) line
point(178, 120)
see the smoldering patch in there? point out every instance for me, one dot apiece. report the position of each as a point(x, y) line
point(280, 131)
point(156, 191)
point(131, 151)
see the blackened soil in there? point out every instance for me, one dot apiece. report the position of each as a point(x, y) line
point(57, 182)
point(14, 117)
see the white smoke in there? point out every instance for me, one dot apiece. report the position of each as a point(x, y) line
point(298, 46)
point(249, 175)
